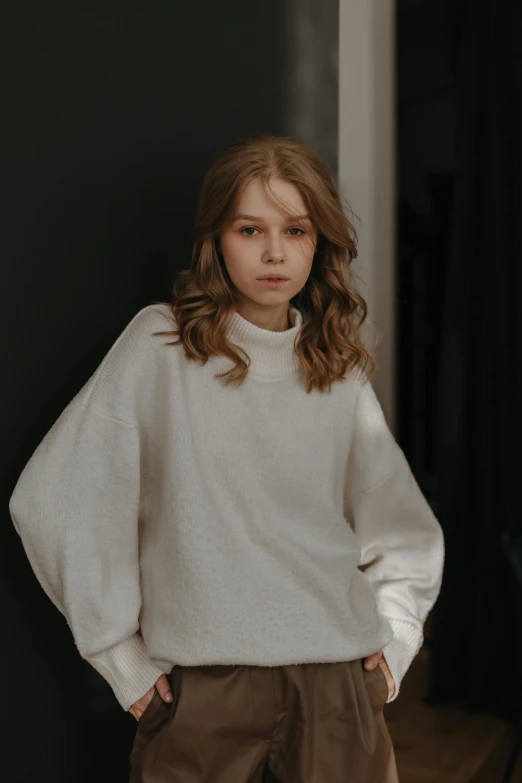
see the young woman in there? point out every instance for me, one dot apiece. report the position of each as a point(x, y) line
point(225, 519)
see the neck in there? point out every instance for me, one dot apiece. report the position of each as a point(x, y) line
point(273, 320)
point(271, 351)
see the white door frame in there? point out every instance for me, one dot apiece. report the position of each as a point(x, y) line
point(367, 166)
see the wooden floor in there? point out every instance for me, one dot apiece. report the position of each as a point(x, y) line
point(444, 743)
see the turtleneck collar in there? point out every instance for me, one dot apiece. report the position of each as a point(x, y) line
point(271, 353)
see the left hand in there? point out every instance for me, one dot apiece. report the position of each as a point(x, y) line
point(378, 659)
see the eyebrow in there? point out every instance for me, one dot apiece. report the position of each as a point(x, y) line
point(258, 219)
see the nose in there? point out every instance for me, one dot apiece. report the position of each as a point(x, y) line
point(273, 250)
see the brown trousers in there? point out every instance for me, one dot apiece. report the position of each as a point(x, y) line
point(306, 723)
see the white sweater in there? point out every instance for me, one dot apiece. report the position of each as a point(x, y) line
point(175, 520)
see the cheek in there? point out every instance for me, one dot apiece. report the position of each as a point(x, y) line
point(231, 247)
point(302, 258)
point(304, 249)
point(228, 252)
point(238, 262)
point(240, 257)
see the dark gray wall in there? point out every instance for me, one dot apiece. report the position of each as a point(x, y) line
point(427, 161)
point(311, 101)
point(111, 113)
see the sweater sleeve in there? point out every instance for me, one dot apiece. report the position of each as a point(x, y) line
point(75, 507)
point(401, 541)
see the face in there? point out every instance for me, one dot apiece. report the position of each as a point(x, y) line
point(260, 241)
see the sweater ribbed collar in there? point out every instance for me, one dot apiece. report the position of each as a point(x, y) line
point(271, 353)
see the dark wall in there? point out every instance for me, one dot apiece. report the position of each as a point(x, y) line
point(111, 113)
point(426, 163)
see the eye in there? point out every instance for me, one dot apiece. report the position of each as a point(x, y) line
point(246, 231)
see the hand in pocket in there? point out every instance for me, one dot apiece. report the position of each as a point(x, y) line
point(162, 686)
point(378, 659)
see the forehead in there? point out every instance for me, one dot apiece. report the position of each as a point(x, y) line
point(253, 199)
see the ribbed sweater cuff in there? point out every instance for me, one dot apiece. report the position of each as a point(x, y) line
point(401, 651)
point(128, 669)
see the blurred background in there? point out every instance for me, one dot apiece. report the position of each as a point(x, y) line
point(111, 114)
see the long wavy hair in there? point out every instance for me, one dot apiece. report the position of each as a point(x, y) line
point(330, 342)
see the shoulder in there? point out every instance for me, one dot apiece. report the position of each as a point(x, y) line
point(362, 387)
point(131, 367)
point(154, 317)
point(368, 414)
point(137, 340)
point(358, 385)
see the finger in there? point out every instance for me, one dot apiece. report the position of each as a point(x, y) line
point(163, 688)
point(138, 708)
point(373, 660)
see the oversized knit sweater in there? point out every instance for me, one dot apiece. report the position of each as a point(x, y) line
point(173, 519)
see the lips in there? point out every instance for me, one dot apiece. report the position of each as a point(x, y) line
point(273, 282)
point(274, 277)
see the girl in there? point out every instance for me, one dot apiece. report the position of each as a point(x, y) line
point(225, 520)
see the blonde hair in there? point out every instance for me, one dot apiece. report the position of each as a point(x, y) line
point(330, 341)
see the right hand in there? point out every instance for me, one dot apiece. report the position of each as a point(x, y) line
point(162, 686)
